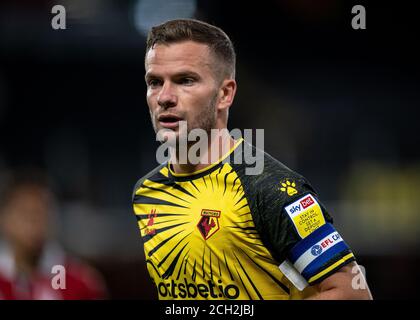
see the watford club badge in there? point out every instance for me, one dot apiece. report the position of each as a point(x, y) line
point(209, 223)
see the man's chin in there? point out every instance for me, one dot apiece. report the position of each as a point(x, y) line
point(174, 134)
point(168, 136)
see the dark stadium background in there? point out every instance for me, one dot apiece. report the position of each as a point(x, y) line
point(338, 105)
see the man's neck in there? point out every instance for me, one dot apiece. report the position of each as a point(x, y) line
point(219, 145)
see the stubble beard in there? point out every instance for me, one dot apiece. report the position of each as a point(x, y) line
point(205, 121)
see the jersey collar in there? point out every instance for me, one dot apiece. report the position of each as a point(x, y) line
point(205, 171)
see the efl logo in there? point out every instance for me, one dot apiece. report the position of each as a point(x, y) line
point(329, 241)
point(325, 244)
point(308, 201)
point(316, 250)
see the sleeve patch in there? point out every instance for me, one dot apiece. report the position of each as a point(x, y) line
point(306, 215)
point(320, 253)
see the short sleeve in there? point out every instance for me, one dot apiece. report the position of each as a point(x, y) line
point(298, 228)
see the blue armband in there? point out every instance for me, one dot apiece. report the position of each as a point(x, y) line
point(320, 254)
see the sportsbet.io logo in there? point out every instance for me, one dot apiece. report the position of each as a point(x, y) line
point(316, 250)
point(185, 289)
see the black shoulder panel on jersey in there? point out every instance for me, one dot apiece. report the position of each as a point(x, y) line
point(267, 202)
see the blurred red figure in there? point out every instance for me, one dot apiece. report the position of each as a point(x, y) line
point(32, 267)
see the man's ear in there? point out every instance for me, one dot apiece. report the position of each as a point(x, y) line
point(226, 94)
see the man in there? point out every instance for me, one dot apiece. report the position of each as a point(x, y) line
point(210, 230)
point(32, 266)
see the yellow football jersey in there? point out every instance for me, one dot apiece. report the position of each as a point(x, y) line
point(219, 233)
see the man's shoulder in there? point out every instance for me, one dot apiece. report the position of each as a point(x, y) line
point(153, 173)
point(275, 186)
point(274, 172)
point(282, 185)
point(275, 169)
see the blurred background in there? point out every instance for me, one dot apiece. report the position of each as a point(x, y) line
point(339, 106)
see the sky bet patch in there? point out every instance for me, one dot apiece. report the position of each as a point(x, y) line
point(306, 215)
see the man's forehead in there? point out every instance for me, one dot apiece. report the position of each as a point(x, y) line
point(187, 53)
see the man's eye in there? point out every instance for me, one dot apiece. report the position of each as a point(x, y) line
point(187, 81)
point(153, 82)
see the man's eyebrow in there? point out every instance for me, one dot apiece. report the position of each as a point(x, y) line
point(150, 75)
point(182, 74)
point(179, 74)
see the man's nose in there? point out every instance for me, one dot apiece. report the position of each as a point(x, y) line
point(167, 97)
